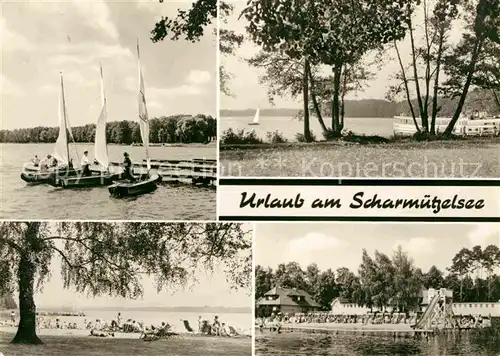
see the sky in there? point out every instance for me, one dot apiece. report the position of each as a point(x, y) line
point(39, 39)
point(334, 245)
point(211, 289)
point(248, 93)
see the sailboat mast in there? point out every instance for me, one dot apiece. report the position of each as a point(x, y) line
point(64, 116)
point(143, 111)
point(105, 109)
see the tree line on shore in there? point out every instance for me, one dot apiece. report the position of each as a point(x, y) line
point(477, 100)
point(171, 129)
point(322, 53)
point(384, 281)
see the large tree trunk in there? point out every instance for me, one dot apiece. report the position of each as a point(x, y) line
point(423, 112)
point(317, 109)
point(305, 90)
point(436, 81)
point(336, 126)
point(465, 91)
point(407, 89)
point(26, 331)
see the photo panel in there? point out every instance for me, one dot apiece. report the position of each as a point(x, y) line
point(377, 288)
point(311, 90)
point(108, 111)
point(125, 288)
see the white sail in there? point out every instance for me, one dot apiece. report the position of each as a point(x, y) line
point(61, 150)
point(143, 111)
point(100, 145)
point(256, 117)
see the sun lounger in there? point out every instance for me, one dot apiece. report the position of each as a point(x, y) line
point(187, 326)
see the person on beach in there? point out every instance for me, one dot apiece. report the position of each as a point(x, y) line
point(200, 324)
point(127, 167)
point(13, 317)
point(216, 326)
point(84, 162)
point(119, 319)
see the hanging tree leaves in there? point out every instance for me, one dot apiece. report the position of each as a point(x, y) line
point(335, 33)
point(111, 258)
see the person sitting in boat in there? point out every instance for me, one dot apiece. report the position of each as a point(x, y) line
point(54, 162)
point(85, 164)
point(46, 163)
point(36, 161)
point(127, 167)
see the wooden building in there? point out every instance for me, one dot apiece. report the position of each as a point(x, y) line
point(288, 301)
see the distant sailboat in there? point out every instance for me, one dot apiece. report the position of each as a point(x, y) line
point(256, 118)
point(147, 183)
point(102, 176)
point(34, 174)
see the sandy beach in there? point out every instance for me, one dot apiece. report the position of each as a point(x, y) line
point(73, 342)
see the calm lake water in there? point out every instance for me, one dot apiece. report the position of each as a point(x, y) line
point(241, 321)
point(289, 126)
point(22, 201)
point(297, 343)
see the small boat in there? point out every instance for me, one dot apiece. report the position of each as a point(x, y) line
point(47, 177)
point(145, 183)
point(255, 118)
point(34, 174)
point(125, 188)
point(103, 176)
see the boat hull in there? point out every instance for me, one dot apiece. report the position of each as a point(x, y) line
point(253, 124)
point(48, 177)
point(122, 189)
point(94, 180)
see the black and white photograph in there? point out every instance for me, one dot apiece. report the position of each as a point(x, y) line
point(108, 111)
point(377, 289)
point(101, 288)
point(360, 89)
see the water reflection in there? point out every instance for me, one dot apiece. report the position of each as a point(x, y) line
point(298, 343)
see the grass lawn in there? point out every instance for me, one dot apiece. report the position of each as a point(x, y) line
point(435, 159)
point(86, 345)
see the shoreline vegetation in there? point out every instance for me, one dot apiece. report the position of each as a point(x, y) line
point(242, 139)
point(176, 129)
point(246, 154)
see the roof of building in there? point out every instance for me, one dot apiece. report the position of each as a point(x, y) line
point(285, 298)
point(341, 300)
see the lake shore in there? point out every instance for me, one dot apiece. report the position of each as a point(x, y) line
point(78, 342)
point(333, 327)
point(467, 158)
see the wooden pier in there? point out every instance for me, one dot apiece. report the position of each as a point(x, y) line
point(202, 172)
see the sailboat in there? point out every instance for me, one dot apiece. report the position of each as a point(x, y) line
point(102, 176)
point(61, 151)
point(255, 118)
point(143, 183)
